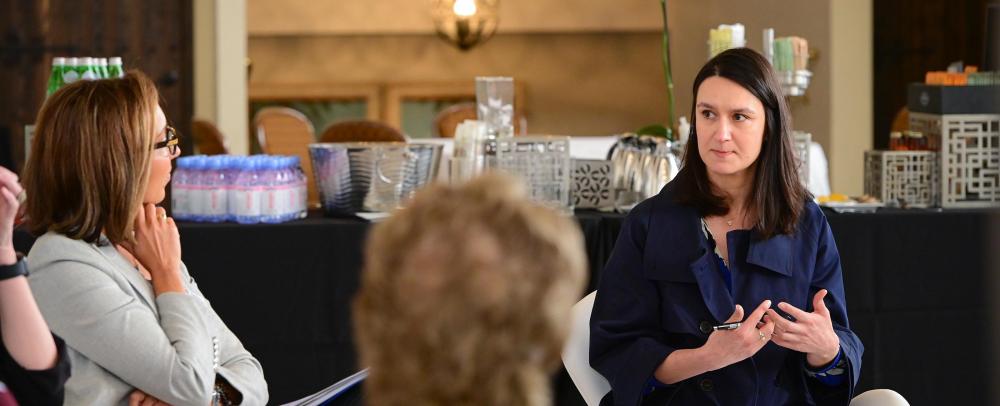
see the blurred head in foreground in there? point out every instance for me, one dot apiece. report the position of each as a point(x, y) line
point(465, 297)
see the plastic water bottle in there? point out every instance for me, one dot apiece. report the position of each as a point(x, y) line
point(196, 188)
point(261, 170)
point(179, 190)
point(230, 169)
point(278, 189)
point(299, 180)
point(237, 165)
point(289, 188)
point(215, 193)
point(270, 205)
point(248, 192)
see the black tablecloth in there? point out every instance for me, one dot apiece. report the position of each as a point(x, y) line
point(916, 285)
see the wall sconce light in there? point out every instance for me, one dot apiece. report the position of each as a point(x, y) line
point(465, 23)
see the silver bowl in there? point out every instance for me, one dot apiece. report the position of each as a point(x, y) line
point(357, 177)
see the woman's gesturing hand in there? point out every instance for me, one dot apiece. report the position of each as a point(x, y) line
point(810, 333)
point(727, 347)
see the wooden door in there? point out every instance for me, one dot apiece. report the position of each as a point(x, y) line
point(913, 37)
point(154, 36)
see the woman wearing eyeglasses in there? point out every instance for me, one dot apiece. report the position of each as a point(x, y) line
point(107, 270)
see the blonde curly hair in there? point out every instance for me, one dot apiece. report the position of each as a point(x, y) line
point(465, 297)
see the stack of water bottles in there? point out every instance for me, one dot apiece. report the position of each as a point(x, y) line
point(247, 190)
point(68, 70)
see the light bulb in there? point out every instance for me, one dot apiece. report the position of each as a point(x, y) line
point(464, 8)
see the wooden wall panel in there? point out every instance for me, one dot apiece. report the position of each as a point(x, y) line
point(913, 37)
point(22, 78)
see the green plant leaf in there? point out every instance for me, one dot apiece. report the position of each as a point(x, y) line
point(668, 78)
point(656, 130)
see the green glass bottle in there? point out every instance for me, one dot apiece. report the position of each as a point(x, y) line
point(86, 69)
point(55, 79)
point(115, 70)
point(69, 72)
point(102, 68)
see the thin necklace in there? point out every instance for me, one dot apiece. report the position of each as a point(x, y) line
point(729, 221)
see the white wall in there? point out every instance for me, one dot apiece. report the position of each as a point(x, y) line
point(851, 84)
point(220, 83)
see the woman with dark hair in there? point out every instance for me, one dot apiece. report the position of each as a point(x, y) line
point(736, 229)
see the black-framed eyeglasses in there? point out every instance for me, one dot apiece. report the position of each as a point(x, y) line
point(172, 143)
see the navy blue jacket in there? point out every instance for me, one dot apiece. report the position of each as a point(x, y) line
point(662, 282)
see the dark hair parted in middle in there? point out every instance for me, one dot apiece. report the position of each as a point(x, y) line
point(777, 196)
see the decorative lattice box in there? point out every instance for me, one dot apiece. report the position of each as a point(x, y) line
point(592, 184)
point(906, 178)
point(543, 162)
point(970, 156)
point(802, 141)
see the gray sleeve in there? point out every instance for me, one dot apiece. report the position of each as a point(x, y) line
point(236, 364)
point(169, 358)
point(241, 370)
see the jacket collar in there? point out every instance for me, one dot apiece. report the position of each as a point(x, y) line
point(713, 288)
point(680, 223)
point(124, 268)
point(678, 229)
point(774, 254)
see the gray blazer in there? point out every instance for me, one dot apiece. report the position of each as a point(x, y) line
point(120, 336)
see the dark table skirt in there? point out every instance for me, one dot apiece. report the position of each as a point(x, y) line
point(916, 286)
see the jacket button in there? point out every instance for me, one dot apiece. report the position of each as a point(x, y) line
point(705, 327)
point(706, 385)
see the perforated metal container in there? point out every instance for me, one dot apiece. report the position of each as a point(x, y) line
point(371, 176)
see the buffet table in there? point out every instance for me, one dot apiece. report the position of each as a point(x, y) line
point(916, 288)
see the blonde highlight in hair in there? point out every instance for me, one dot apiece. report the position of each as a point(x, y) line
point(90, 158)
point(465, 297)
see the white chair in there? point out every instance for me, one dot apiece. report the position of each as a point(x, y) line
point(879, 397)
point(576, 354)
